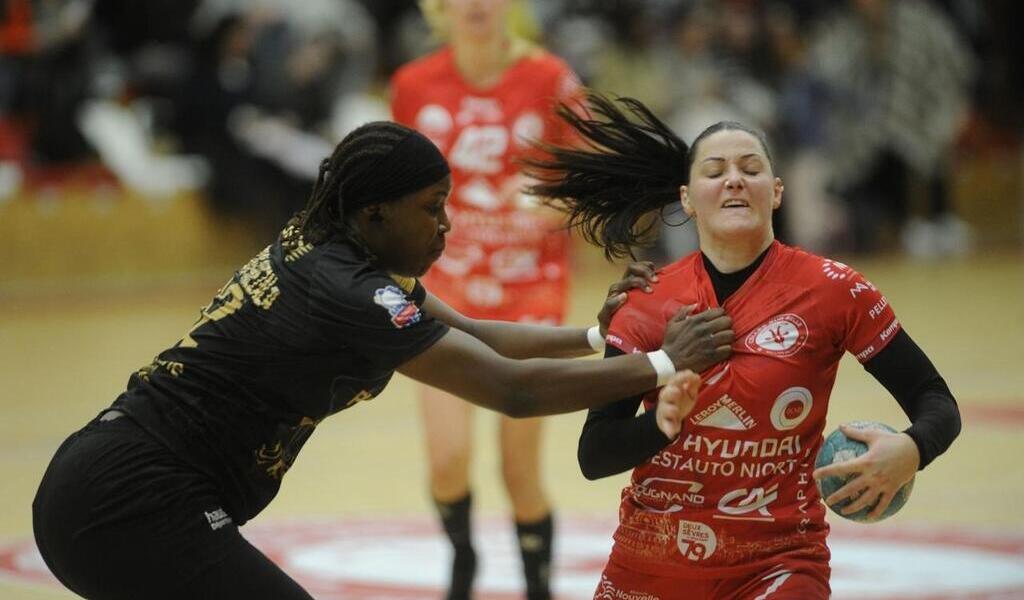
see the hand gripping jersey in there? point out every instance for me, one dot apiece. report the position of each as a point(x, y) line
point(299, 333)
point(506, 258)
point(734, 491)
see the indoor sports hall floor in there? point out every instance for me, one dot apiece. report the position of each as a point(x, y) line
point(353, 519)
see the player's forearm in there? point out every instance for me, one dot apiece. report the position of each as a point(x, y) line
point(514, 340)
point(543, 386)
point(609, 446)
point(907, 373)
point(522, 340)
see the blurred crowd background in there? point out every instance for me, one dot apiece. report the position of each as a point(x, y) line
point(897, 124)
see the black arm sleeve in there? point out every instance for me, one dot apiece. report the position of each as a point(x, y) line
point(615, 439)
point(905, 371)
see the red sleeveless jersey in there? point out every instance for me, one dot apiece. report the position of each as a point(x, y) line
point(505, 258)
point(734, 491)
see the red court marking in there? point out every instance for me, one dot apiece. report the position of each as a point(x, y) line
point(404, 559)
point(1009, 413)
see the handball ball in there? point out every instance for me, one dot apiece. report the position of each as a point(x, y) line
point(839, 448)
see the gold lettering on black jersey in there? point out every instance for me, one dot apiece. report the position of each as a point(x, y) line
point(293, 244)
point(257, 278)
point(278, 456)
point(173, 367)
point(408, 284)
point(362, 396)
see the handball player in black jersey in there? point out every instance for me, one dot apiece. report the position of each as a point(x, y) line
point(145, 501)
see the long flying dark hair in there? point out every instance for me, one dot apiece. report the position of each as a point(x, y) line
point(627, 166)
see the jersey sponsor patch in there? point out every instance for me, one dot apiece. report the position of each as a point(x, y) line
point(665, 495)
point(791, 408)
point(739, 504)
point(782, 335)
point(724, 413)
point(696, 541)
point(402, 310)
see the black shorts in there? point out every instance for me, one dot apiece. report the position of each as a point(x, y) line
point(118, 515)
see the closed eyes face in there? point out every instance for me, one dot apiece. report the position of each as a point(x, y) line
point(732, 189)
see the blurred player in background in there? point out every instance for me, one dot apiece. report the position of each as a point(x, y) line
point(722, 502)
point(481, 98)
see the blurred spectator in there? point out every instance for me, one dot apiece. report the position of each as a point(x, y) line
point(55, 76)
point(866, 99)
point(899, 76)
point(275, 86)
point(716, 68)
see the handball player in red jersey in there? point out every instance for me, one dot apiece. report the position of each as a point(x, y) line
point(482, 98)
point(722, 502)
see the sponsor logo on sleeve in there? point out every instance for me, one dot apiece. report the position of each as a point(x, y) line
point(782, 335)
point(835, 270)
point(862, 286)
point(887, 333)
point(402, 310)
point(889, 330)
point(878, 307)
point(864, 354)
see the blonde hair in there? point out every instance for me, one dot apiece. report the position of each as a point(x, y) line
point(519, 23)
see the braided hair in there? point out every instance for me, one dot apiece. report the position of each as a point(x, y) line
point(628, 166)
point(325, 215)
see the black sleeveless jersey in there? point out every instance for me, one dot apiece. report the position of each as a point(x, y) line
point(299, 333)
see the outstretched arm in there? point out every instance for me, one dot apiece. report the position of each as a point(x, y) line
point(523, 340)
point(466, 367)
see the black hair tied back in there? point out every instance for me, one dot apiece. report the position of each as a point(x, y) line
point(626, 165)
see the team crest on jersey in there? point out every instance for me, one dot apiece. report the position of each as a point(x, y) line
point(782, 335)
point(402, 310)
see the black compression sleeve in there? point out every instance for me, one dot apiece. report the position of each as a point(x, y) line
point(614, 439)
point(905, 371)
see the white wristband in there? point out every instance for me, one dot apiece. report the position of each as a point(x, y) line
point(663, 365)
point(595, 339)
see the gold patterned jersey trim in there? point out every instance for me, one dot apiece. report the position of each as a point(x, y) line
point(258, 279)
point(293, 244)
point(278, 457)
point(408, 284)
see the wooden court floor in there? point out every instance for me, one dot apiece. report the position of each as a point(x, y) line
point(66, 353)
